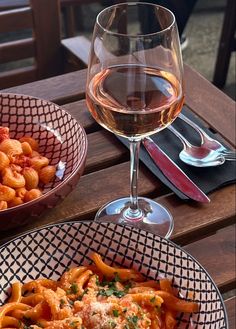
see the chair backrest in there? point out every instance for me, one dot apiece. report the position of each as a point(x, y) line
point(42, 18)
point(12, 4)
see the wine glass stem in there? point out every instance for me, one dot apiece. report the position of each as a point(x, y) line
point(133, 212)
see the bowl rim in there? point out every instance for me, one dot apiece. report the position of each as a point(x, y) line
point(89, 222)
point(79, 165)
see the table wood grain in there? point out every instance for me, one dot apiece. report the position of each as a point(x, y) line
point(207, 231)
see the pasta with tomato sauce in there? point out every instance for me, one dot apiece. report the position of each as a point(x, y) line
point(21, 167)
point(97, 296)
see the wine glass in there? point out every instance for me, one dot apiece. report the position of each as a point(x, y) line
point(135, 89)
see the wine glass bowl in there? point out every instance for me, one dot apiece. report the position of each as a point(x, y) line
point(135, 89)
point(117, 103)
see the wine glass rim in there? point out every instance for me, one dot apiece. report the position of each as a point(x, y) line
point(130, 34)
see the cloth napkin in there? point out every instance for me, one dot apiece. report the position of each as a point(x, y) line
point(207, 179)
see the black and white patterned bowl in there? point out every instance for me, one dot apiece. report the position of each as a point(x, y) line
point(47, 252)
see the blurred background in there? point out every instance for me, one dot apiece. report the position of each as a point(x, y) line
point(202, 35)
point(202, 31)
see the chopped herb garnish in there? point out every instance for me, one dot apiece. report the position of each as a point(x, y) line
point(112, 324)
point(117, 278)
point(128, 286)
point(104, 292)
point(27, 321)
point(115, 313)
point(152, 300)
point(97, 280)
point(112, 282)
point(62, 303)
point(74, 288)
point(132, 322)
point(81, 296)
point(111, 291)
point(74, 324)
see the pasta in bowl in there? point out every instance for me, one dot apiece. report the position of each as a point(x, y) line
point(96, 296)
point(103, 275)
point(42, 156)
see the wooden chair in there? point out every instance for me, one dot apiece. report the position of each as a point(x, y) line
point(227, 44)
point(68, 9)
point(42, 17)
point(13, 4)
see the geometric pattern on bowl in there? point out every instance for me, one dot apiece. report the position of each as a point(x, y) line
point(49, 251)
point(61, 139)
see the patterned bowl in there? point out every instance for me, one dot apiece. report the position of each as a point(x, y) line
point(49, 251)
point(61, 139)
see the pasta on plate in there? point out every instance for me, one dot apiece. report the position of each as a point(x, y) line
point(22, 168)
point(97, 296)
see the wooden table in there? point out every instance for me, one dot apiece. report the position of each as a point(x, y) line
point(206, 231)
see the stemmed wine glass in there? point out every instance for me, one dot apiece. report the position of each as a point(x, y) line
point(135, 89)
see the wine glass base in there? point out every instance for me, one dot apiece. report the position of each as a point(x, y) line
point(153, 217)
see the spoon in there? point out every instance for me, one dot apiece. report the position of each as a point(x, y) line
point(206, 140)
point(201, 156)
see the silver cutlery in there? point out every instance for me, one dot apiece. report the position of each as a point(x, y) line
point(210, 153)
point(206, 140)
point(174, 174)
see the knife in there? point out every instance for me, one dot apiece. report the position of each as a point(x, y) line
point(175, 175)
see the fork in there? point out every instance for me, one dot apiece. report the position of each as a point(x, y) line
point(200, 156)
point(206, 140)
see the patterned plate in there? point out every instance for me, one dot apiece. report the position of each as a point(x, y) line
point(47, 252)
